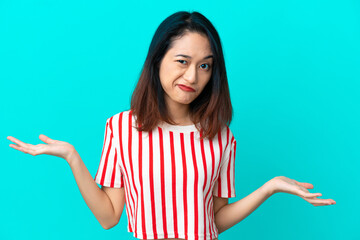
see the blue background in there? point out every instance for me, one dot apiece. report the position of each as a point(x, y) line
point(293, 69)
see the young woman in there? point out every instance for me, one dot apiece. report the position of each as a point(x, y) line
point(171, 156)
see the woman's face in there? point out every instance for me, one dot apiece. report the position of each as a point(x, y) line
point(188, 63)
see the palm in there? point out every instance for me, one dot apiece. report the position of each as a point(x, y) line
point(287, 185)
point(53, 147)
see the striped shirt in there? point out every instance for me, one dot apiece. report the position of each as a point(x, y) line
point(169, 176)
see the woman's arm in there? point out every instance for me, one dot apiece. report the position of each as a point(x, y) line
point(232, 213)
point(106, 204)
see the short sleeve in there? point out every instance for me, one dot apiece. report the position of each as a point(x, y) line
point(225, 185)
point(109, 173)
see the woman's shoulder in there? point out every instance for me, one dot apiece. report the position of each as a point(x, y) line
point(113, 120)
point(120, 114)
point(226, 132)
point(118, 121)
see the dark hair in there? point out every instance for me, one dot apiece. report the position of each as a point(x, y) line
point(212, 108)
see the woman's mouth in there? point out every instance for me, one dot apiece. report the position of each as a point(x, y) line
point(186, 88)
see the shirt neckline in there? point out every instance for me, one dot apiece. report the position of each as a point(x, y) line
point(178, 128)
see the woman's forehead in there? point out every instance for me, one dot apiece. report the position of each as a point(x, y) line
point(191, 44)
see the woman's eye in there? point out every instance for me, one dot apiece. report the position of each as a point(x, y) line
point(208, 66)
point(204, 66)
point(181, 61)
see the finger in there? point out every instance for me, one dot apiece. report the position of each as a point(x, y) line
point(46, 139)
point(22, 149)
point(303, 189)
point(321, 202)
point(311, 195)
point(303, 192)
point(17, 141)
point(32, 150)
point(15, 147)
point(305, 185)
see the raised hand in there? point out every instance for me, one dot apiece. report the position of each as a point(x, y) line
point(53, 147)
point(287, 185)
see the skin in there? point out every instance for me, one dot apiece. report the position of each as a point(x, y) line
point(196, 73)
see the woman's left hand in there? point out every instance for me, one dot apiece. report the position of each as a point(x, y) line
point(287, 185)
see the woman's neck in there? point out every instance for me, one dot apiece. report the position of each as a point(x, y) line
point(180, 114)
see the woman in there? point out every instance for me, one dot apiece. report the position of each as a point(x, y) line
point(171, 156)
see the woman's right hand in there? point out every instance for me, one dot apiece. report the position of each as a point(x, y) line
point(53, 147)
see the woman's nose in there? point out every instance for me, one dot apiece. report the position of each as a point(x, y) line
point(190, 74)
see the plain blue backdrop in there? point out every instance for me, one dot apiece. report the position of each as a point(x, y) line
point(293, 70)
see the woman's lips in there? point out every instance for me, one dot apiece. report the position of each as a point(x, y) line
point(185, 88)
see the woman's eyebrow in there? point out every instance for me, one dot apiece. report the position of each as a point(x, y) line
point(186, 56)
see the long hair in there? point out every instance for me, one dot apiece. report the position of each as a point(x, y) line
point(212, 109)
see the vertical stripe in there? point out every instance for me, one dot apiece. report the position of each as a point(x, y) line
point(219, 142)
point(233, 166)
point(127, 189)
point(219, 185)
point(107, 154)
point(143, 225)
point(114, 172)
point(162, 173)
point(114, 167)
point(221, 150)
point(212, 179)
point(185, 183)
point(228, 170)
point(151, 176)
point(205, 177)
point(173, 171)
point(196, 212)
point(132, 170)
point(212, 214)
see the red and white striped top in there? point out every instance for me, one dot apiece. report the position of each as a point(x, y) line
point(169, 176)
